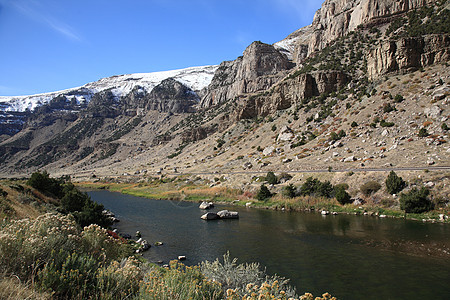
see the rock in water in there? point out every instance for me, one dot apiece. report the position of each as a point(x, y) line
point(210, 216)
point(206, 205)
point(225, 214)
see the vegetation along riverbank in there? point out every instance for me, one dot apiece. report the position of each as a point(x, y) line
point(420, 195)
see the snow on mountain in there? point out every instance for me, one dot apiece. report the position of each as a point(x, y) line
point(196, 78)
point(289, 44)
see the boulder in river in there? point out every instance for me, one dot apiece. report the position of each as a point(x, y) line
point(206, 205)
point(225, 214)
point(210, 216)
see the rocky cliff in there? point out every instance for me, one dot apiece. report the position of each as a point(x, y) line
point(258, 69)
point(336, 18)
point(407, 54)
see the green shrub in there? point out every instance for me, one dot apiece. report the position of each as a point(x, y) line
point(384, 123)
point(178, 282)
point(96, 241)
point(398, 98)
point(263, 193)
point(423, 132)
point(444, 127)
point(394, 183)
point(289, 191)
point(416, 201)
point(387, 107)
point(334, 136)
point(271, 178)
point(354, 124)
point(342, 196)
point(314, 187)
point(43, 183)
point(69, 275)
point(92, 213)
point(74, 200)
point(370, 187)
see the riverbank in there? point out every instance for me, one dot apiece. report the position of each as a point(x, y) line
point(183, 190)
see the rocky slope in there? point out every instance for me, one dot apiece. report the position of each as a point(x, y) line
point(357, 88)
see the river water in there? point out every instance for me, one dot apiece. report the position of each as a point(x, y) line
point(351, 257)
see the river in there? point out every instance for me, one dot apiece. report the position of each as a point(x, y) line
point(351, 257)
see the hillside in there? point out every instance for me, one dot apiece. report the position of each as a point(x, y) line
point(364, 86)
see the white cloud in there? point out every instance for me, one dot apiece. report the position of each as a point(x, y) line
point(32, 10)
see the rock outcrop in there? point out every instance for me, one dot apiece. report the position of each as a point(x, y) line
point(172, 96)
point(258, 69)
point(290, 92)
point(406, 54)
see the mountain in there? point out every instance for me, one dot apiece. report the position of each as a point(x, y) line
point(14, 110)
point(365, 85)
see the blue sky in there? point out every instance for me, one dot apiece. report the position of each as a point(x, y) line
point(49, 45)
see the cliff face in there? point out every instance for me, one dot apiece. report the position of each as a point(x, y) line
point(337, 18)
point(290, 92)
point(258, 69)
point(407, 53)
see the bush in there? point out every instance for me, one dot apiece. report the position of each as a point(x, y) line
point(263, 193)
point(342, 196)
point(178, 282)
point(423, 132)
point(314, 187)
point(289, 191)
point(370, 187)
point(398, 98)
point(25, 242)
point(242, 277)
point(69, 275)
point(43, 183)
point(354, 124)
point(384, 123)
point(73, 200)
point(394, 183)
point(271, 178)
point(416, 201)
point(444, 127)
point(387, 108)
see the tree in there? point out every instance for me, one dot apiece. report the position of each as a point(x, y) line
point(394, 183)
point(324, 189)
point(341, 195)
point(74, 200)
point(289, 191)
point(271, 178)
point(263, 193)
point(43, 183)
point(416, 201)
point(309, 187)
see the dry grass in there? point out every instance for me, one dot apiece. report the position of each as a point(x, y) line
point(13, 289)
